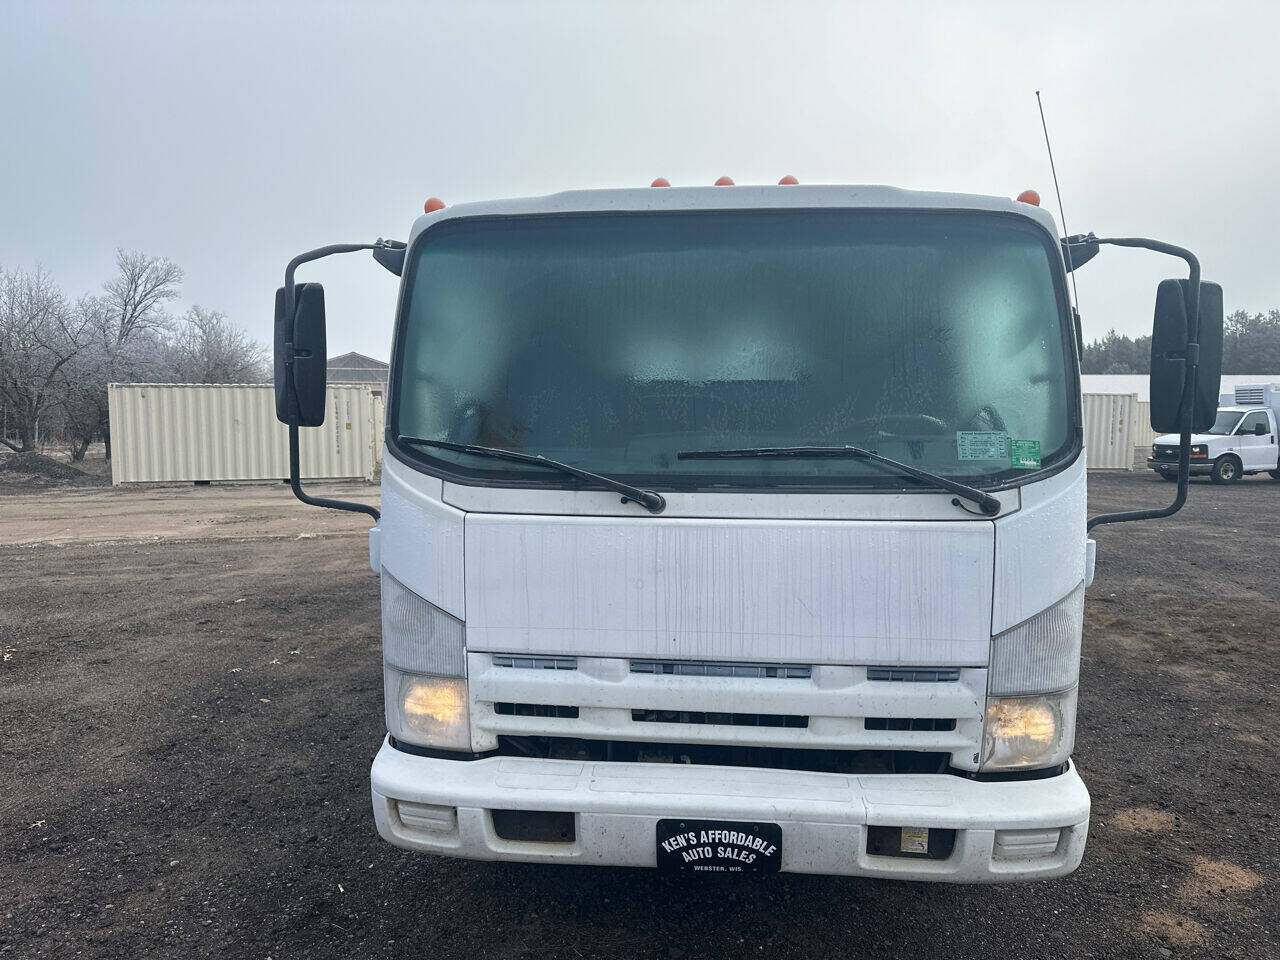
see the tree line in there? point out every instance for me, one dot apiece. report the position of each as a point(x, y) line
point(57, 355)
point(1250, 344)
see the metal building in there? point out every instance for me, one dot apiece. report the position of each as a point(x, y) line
point(357, 368)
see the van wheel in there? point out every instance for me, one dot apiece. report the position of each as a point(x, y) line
point(1275, 474)
point(1225, 470)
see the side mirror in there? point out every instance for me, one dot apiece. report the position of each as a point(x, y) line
point(1169, 358)
point(1078, 250)
point(1261, 430)
point(300, 356)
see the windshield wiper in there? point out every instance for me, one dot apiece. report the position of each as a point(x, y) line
point(988, 504)
point(651, 501)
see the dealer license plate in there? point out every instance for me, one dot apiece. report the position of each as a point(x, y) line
point(719, 846)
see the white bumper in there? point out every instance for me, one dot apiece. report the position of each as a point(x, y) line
point(1023, 830)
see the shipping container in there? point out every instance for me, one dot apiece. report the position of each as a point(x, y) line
point(1109, 433)
point(205, 432)
point(1143, 435)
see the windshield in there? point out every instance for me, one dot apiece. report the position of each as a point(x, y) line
point(1226, 422)
point(614, 341)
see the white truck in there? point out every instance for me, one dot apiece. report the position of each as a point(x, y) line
point(737, 528)
point(1242, 440)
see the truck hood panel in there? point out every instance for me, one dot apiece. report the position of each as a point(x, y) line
point(1172, 439)
point(848, 592)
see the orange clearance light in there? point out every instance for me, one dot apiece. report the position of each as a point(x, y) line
point(661, 182)
point(432, 205)
point(724, 182)
point(1029, 196)
point(788, 181)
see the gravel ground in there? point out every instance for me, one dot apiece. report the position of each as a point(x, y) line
point(190, 700)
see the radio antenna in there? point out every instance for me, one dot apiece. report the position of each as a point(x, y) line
point(1058, 190)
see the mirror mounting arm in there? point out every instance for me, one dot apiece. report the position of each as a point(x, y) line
point(1189, 384)
point(295, 479)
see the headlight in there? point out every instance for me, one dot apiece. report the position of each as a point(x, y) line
point(424, 670)
point(427, 711)
point(1031, 689)
point(1029, 732)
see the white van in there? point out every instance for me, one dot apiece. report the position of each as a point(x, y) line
point(1242, 441)
point(734, 528)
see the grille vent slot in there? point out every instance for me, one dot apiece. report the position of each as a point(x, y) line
point(915, 674)
point(719, 719)
point(712, 668)
point(535, 663)
point(559, 711)
point(915, 724)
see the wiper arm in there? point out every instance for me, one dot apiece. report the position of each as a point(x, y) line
point(651, 501)
point(988, 504)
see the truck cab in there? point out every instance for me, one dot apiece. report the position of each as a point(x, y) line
point(1241, 442)
point(737, 528)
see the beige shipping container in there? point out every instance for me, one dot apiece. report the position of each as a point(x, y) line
point(1109, 421)
point(183, 431)
point(1143, 435)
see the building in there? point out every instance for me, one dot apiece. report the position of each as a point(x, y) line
point(357, 368)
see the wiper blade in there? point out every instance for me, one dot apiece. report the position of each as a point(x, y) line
point(651, 501)
point(988, 504)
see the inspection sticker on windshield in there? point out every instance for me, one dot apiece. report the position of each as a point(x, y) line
point(1025, 454)
point(982, 445)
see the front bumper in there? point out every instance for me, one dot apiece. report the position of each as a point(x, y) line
point(1005, 831)
point(1198, 467)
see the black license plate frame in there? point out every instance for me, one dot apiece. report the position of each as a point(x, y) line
point(718, 846)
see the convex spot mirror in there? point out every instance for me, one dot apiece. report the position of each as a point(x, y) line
point(1169, 358)
point(300, 356)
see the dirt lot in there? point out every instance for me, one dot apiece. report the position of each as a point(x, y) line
point(190, 700)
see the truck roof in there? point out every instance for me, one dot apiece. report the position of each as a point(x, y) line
point(738, 198)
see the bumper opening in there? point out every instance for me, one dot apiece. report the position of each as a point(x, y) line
point(535, 826)
point(914, 843)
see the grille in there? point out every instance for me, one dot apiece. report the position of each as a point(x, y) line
point(720, 755)
point(1249, 396)
point(535, 663)
point(555, 710)
point(915, 674)
point(712, 668)
point(927, 724)
point(719, 719)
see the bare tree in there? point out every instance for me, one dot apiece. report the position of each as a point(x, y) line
point(124, 328)
point(138, 293)
point(84, 379)
point(39, 336)
point(207, 348)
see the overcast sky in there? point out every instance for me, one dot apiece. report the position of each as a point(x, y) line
point(230, 136)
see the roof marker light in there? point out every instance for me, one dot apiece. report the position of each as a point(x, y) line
point(432, 205)
point(661, 182)
point(788, 181)
point(1029, 196)
point(724, 182)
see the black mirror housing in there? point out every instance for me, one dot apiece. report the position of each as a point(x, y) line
point(1169, 337)
point(1261, 430)
point(301, 360)
point(1078, 250)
